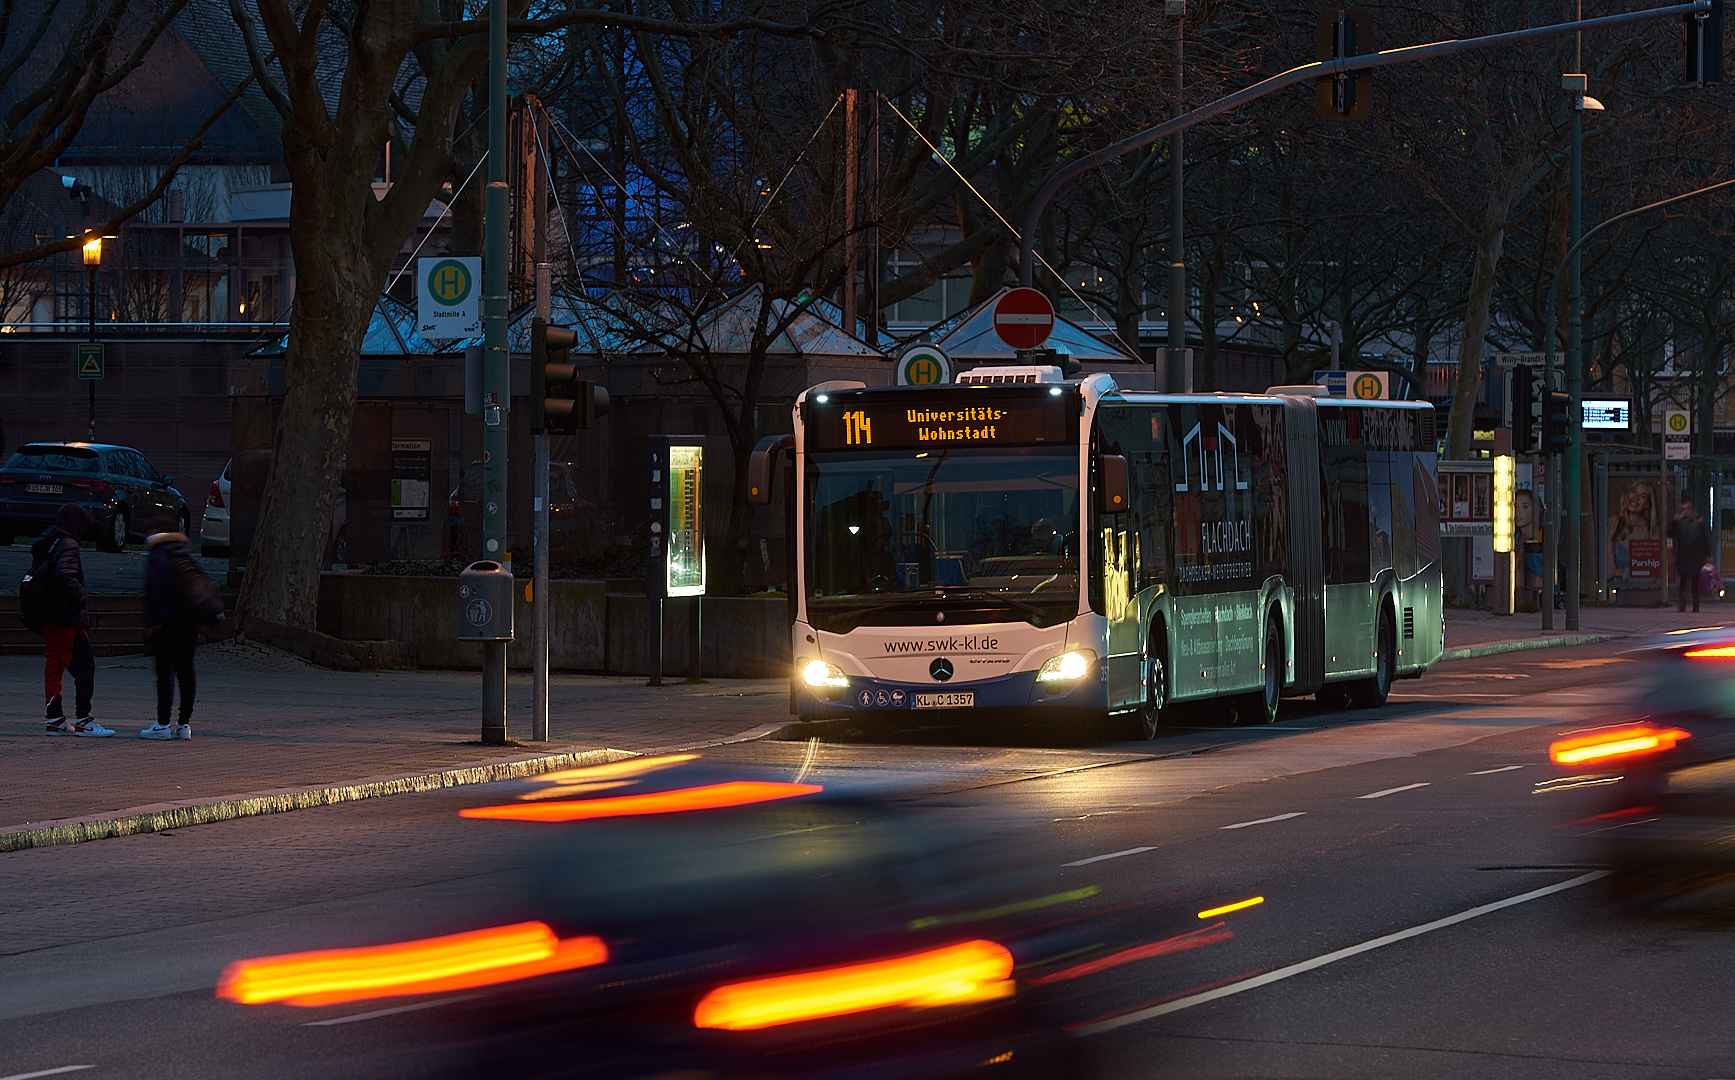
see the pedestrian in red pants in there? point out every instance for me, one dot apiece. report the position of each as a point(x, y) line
point(66, 630)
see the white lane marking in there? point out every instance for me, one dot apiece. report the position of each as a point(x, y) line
point(377, 1013)
point(1503, 768)
point(1391, 791)
point(1266, 820)
point(1333, 957)
point(1110, 855)
point(47, 1072)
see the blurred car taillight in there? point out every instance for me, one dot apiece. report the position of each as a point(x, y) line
point(679, 801)
point(216, 496)
point(455, 962)
point(969, 971)
point(90, 485)
point(1614, 742)
point(1716, 652)
point(8, 478)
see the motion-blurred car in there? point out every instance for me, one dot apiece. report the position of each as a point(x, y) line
point(1664, 780)
point(121, 488)
point(678, 920)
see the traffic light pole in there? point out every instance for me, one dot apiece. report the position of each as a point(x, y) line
point(540, 600)
point(496, 372)
point(1306, 73)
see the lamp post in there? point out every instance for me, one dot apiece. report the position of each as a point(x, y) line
point(1178, 378)
point(92, 260)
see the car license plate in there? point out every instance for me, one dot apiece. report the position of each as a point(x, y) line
point(957, 699)
point(43, 489)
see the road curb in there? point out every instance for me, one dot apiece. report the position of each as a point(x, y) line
point(1471, 652)
point(149, 819)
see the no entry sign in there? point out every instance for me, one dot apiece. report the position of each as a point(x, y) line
point(1023, 318)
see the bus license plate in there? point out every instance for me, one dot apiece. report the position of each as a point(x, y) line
point(43, 489)
point(957, 699)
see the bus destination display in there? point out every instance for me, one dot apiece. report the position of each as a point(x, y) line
point(989, 417)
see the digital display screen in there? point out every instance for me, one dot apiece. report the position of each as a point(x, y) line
point(1608, 414)
point(935, 418)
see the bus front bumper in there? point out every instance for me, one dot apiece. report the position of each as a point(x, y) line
point(913, 703)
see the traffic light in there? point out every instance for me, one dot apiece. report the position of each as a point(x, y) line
point(1347, 95)
point(1702, 45)
point(559, 400)
point(1523, 421)
point(1556, 421)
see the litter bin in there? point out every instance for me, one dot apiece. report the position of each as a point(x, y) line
point(485, 602)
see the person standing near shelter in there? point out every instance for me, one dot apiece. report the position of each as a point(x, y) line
point(66, 630)
point(1692, 549)
point(179, 599)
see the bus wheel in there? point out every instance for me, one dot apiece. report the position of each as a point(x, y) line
point(1371, 693)
point(1150, 714)
point(1261, 707)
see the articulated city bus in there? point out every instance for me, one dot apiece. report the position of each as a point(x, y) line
point(1068, 550)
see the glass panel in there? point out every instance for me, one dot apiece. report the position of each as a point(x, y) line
point(54, 457)
point(944, 523)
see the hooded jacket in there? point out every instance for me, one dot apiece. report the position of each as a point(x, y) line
point(71, 601)
point(164, 582)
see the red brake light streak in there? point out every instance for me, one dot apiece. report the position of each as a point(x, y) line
point(1614, 742)
point(707, 797)
point(455, 962)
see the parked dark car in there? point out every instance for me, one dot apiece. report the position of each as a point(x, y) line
point(121, 488)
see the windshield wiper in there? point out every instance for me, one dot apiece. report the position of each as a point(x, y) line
point(1016, 605)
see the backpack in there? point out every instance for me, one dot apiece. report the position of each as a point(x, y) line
point(36, 592)
point(193, 594)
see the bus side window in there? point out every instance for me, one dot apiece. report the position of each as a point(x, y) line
point(1346, 514)
point(1152, 516)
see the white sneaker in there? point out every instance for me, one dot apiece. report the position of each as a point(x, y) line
point(183, 731)
point(90, 729)
point(60, 725)
point(158, 731)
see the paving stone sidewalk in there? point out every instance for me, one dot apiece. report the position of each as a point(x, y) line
point(266, 721)
point(1481, 631)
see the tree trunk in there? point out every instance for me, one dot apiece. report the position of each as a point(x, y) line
point(1489, 244)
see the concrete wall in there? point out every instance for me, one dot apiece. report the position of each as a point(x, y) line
point(590, 630)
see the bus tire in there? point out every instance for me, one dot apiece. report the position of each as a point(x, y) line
point(1149, 716)
point(1371, 693)
point(1260, 707)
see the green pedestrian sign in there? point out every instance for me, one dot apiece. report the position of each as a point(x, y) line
point(91, 363)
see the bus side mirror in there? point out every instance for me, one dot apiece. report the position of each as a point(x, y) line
point(762, 465)
point(1111, 484)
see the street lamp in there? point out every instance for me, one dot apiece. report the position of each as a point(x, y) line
point(92, 260)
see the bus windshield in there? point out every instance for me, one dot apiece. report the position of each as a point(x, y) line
point(983, 525)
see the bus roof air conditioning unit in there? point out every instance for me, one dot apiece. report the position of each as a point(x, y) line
point(981, 375)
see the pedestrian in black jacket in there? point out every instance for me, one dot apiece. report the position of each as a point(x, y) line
point(173, 583)
point(66, 631)
point(1692, 551)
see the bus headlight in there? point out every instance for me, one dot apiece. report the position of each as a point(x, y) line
point(820, 673)
point(1066, 667)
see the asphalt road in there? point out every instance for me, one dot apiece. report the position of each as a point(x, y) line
point(1420, 916)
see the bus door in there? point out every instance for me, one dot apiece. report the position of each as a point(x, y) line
point(1349, 587)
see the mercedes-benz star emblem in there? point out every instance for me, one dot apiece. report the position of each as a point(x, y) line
point(940, 669)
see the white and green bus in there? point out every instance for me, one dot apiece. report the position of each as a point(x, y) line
point(1048, 548)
